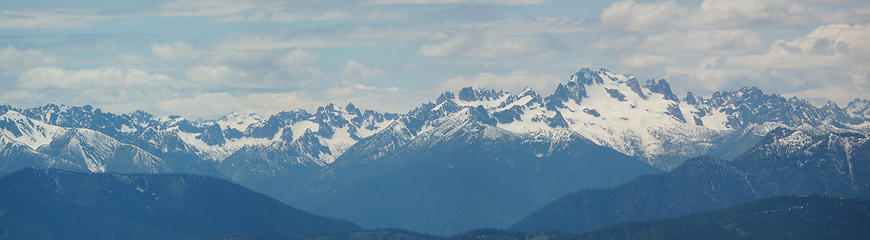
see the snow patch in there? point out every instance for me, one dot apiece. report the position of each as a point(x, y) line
point(27, 131)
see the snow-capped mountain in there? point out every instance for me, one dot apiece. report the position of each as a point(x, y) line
point(71, 148)
point(597, 129)
point(786, 162)
point(644, 119)
point(298, 137)
point(859, 108)
point(22, 130)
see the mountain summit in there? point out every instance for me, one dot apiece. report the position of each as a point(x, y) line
point(492, 144)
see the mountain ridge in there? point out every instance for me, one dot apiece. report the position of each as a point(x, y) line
point(42, 203)
point(597, 119)
point(785, 162)
point(610, 109)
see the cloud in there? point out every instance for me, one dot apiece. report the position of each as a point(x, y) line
point(646, 60)
point(747, 13)
point(234, 11)
point(528, 25)
point(710, 75)
point(281, 15)
point(183, 8)
point(826, 46)
point(52, 77)
point(721, 45)
point(218, 77)
point(273, 42)
point(390, 99)
point(605, 43)
point(514, 81)
point(13, 59)
point(716, 14)
point(491, 46)
point(628, 15)
point(48, 18)
point(212, 104)
point(354, 70)
point(175, 51)
point(693, 42)
point(506, 2)
point(829, 63)
point(297, 58)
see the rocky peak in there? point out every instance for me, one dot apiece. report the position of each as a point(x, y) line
point(661, 86)
point(691, 99)
point(859, 108)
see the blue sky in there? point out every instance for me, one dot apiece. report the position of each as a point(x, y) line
point(205, 58)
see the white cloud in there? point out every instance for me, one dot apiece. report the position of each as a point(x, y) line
point(743, 13)
point(12, 60)
point(840, 94)
point(646, 60)
point(217, 77)
point(491, 46)
point(506, 2)
point(453, 46)
point(826, 46)
point(177, 8)
point(828, 63)
point(605, 43)
point(709, 75)
point(235, 57)
point(175, 51)
point(130, 59)
point(692, 43)
point(527, 25)
point(272, 42)
point(514, 81)
point(52, 77)
point(282, 15)
point(48, 18)
point(632, 16)
point(297, 58)
point(716, 14)
point(212, 104)
point(391, 99)
point(354, 70)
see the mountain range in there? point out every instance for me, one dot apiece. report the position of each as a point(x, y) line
point(48, 204)
point(785, 162)
point(783, 217)
point(469, 159)
point(56, 204)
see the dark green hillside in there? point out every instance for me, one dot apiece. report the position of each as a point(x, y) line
point(55, 204)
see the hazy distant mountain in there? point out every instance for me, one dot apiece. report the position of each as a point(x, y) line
point(797, 217)
point(57, 204)
point(786, 162)
point(465, 175)
point(639, 118)
point(478, 144)
point(786, 217)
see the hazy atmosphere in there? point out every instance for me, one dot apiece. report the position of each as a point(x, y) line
point(201, 59)
point(435, 119)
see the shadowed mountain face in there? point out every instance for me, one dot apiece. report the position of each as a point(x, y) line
point(786, 217)
point(443, 167)
point(483, 178)
point(798, 217)
point(785, 162)
point(56, 204)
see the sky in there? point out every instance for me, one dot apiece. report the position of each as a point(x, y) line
point(206, 58)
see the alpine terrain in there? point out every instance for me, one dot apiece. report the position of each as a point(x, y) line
point(471, 158)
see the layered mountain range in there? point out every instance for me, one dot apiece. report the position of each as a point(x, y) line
point(785, 162)
point(456, 157)
point(55, 204)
